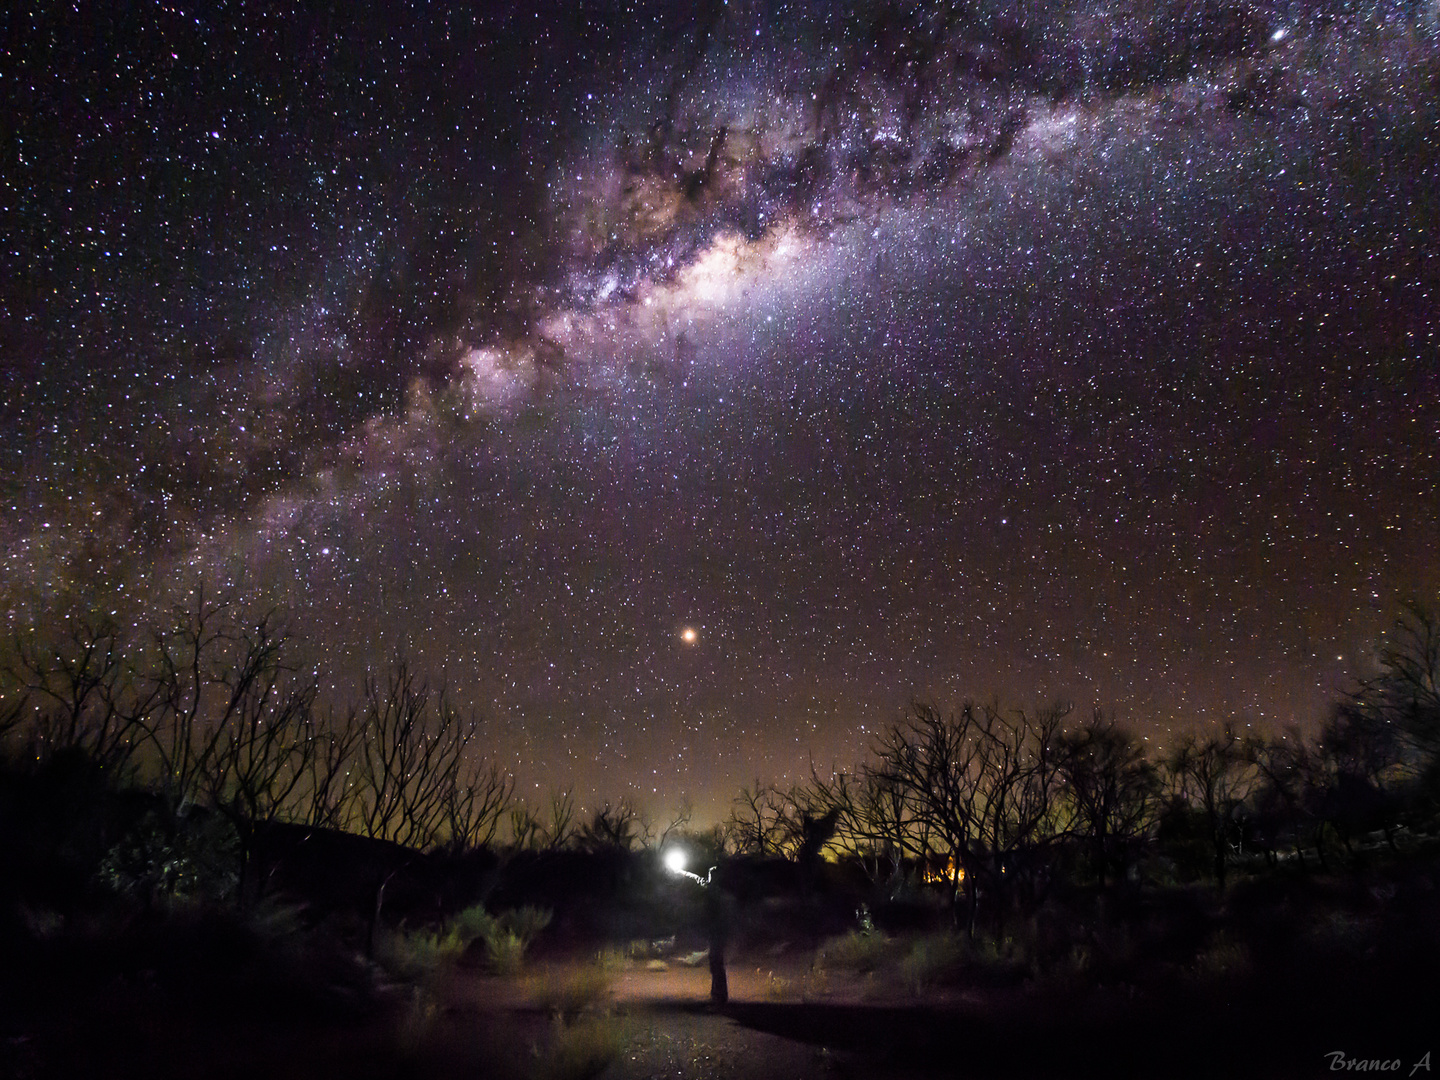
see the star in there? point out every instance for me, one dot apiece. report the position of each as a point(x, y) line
point(785, 357)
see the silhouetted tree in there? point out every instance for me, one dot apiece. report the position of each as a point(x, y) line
point(202, 673)
point(14, 711)
point(1113, 792)
point(934, 762)
point(616, 828)
point(1401, 705)
point(875, 824)
point(1020, 767)
point(1282, 799)
point(78, 692)
point(679, 821)
point(1212, 778)
point(416, 778)
point(264, 741)
point(475, 805)
point(416, 781)
point(980, 787)
point(322, 801)
point(764, 820)
point(1409, 684)
point(531, 830)
point(1361, 763)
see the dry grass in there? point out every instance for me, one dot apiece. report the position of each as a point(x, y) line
point(585, 989)
point(580, 1050)
point(586, 1035)
point(419, 954)
point(931, 960)
point(855, 951)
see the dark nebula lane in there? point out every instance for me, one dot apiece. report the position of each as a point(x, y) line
point(689, 392)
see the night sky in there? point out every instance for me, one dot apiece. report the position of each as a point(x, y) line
point(689, 387)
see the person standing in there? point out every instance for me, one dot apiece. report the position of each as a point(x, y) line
point(717, 932)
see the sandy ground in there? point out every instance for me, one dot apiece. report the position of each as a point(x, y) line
point(784, 1021)
point(673, 1031)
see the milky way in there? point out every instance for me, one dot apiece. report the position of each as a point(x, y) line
point(688, 392)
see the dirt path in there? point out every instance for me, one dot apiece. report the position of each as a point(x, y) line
point(689, 1041)
point(670, 1029)
point(784, 1021)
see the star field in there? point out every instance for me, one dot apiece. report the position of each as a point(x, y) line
point(689, 391)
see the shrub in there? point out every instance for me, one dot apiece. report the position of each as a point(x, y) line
point(504, 953)
point(1222, 958)
point(611, 961)
point(778, 988)
point(582, 1050)
point(204, 955)
point(587, 988)
point(418, 954)
point(855, 951)
point(474, 922)
point(526, 923)
point(506, 938)
point(815, 984)
point(417, 1025)
point(930, 960)
point(163, 856)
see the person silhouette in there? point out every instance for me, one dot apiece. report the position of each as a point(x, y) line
point(717, 932)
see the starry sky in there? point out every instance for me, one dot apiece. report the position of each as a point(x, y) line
point(689, 387)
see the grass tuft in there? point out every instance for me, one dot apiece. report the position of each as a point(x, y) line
point(586, 989)
point(856, 951)
point(584, 1049)
point(525, 923)
point(419, 954)
point(931, 960)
